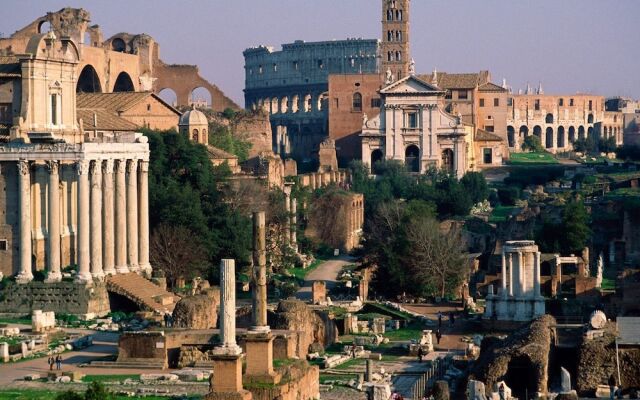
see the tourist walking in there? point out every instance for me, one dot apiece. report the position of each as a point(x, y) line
point(439, 319)
point(59, 362)
point(612, 387)
point(50, 361)
point(438, 336)
point(420, 354)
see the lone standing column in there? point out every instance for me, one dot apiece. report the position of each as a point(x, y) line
point(54, 274)
point(24, 187)
point(294, 223)
point(228, 306)
point(143, 210)
point(504, 275)
point(84, 272)
point(287, 206)
point(536, 274)
point(108, 250)
point(121, 218)
point(259, 272)
point(132, 216)
point(96, 220)
point(510, 274)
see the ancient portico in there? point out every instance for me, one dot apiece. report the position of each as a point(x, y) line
point(519, 298)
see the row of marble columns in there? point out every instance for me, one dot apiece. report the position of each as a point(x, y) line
point(317, 180)
point(514, 284)
point(112, 222)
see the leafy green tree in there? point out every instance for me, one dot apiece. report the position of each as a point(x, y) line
point(607, 145)
point(584, 145)
point(532, 143)
point(628, 152)
point(575, 227)
point(96, 391)
point(222, 138)
point(476, 185)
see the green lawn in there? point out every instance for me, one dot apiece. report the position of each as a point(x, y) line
point(500, 213)
point(531, 158)
point(109, 378)
point(301, 273)
point(324, 378)
point(26, 320)
point(32, 394)
point(624, 192)
point(413, 331)
point(351, 363)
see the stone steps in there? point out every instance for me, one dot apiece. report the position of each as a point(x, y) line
point(129, 364)
point(143, 292)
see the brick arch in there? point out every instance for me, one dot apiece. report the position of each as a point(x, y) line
point(183, 79)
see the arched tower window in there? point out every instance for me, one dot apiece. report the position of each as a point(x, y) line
point(357, 102)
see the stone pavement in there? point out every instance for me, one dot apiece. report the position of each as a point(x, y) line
point(327, 271)
point(451, 335)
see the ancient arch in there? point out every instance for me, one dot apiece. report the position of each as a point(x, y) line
point(295, 106)
point(560, 142)
point(195, 136)
point(44, 26)
point(572, 134)
point(284, 105)
point(200, 96)
point(511, 136)
point(88, 81)
point(537, 131)
point(447, 160)
point(119, 45)
point(376, 157)
point(274, 105)
point(549, 118)
point(548, 138)
point(590, 132)
point(123, 83)
point(307, 103)
point(412, 158)
point(581, 132)
point(524, 131)
point(357, 102)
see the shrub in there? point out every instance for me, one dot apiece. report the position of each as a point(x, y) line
point(509, 195)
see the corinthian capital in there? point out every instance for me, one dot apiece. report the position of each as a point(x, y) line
point(96, 167)
point(53, 167)
point(23, 167)
point(107, 166)
point(82, 167)
point(132, 166)
point(121, 166)
point(144, 166)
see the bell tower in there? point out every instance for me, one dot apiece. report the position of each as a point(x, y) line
point(395, 51)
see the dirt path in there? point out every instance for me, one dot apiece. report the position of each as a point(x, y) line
point(327, 271)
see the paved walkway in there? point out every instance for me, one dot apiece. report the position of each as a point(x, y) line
point(327, 271)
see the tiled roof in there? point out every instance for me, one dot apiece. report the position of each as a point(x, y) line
point(484, 136)
point(10, 67)
point(456, 81)
point(215, 152)
point(106, 120)
point(491, 87)
point(115, 102)
point(629, 330)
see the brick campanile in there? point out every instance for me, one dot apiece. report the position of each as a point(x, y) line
point(395, 49)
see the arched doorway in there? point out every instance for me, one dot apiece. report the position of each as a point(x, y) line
point(88, 81)
point(123, 83)
point(537, 131)
point(590, 132)
point(201, 98)
point(548, 136)
point(524, 132)
point(549, 118)
point(376, 158)
point(511, 136)
point(572, 134)
point(412, 158)
point(447, 160)
point(581, 132)
point(169, 96)
point(590, 119)
point(560, 143)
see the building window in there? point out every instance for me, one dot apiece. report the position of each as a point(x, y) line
point(54, 109)
point(590, 105)
point(481, 102)
point(487, 156)
point(357, 102)
point(570, 102)
point(320, 64)
point(375, 103)
point(260, 69)
point(337, 102)
point(275, 67)
point(561, 102)
point(510, 102)
point(295, 65)
point(462, 94)
point(412, 120)
point(536, 105)
point(496, 102)
point(489, 128)
point(3, 245)
point(489, 117)
point(148, 107)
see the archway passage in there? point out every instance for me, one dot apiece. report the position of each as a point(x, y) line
point(201, 97)
point(511, 136)
point(560, 140)
point(581, 132)
point(412, 158)
point(44, 27)
point(548, 138)
point(88, 81)
point(169, 96)
point(572, 134)
point(123, 83)
point(590, 132)
point(524, 132)
point(521, 377)
point(376, 158)
point(537, 131)
point(447, 160)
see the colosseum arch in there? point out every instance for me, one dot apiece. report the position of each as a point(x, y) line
point(295, 103)
point(284, 105)
point(123, 83)
point(88, 81)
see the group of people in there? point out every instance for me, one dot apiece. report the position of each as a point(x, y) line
point(57, 361)
point(168, 320)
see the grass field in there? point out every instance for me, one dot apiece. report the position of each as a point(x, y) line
point(32, 394)
point(412, 331)
point(500, 213)
point(531, 158)
point(301, 273)
point(109, 378)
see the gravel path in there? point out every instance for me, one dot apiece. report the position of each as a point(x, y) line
point(327, 271)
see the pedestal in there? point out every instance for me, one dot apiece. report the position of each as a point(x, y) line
point(502, 308)
point(226, 382)
point(488, 308)
point(538, 306)
point(520, 312)
point(260, 358)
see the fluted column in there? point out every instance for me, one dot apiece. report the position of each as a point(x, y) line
point(96, 219)
point(84, 271)
point(108, 248)
point(143, 211)
point(228, 306)
point(54, 275)
point(121, 218)
point(24, 191)
point(132, 216)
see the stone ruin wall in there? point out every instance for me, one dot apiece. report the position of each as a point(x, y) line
point(299, 382)
point(143, 345)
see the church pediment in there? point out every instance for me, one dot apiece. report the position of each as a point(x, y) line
point(410, 85)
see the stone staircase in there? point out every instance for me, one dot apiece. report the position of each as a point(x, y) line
point(149, 296)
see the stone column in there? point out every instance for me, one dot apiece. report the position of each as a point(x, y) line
point(294, 223)
point(504, 275)
point(228, 307)
point(143, 211)
point(510, 274)
point(54, 274)
point(121, 218)
point(259, 272)
point(287, 206)
point(536, 274)
point(96, 219)
point(24, 192)
point(132, 215)
point(84, 271)
point(108, 248)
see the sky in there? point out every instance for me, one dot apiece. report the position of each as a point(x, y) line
point(588, 46)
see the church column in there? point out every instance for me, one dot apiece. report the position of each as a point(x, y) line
point(84, 272)
point(24, 192)
point(96, 219)
point(143, 197)
point(108, 250)
point(54, 274)
point(132, 215)
point(121, 218)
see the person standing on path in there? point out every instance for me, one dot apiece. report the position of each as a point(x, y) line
point(501, 391)
point(50, 361)
point(438, 336)
point(612, 387)
point(59, 362)
point(439, 319)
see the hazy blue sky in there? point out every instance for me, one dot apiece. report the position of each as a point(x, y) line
point(570, 45)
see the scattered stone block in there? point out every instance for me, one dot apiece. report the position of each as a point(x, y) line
point(32, 377)
point(603, 392)
point(375, 356)
point(63, 379)
point(43, 321)
point(75, 376)
point(4, 352)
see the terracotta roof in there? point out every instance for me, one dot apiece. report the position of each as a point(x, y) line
point(10, 67)
point(215, 152)
point(106, 120)
point(116, 102)
point(457, 81)
point(484, 136)
point(491, 87)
